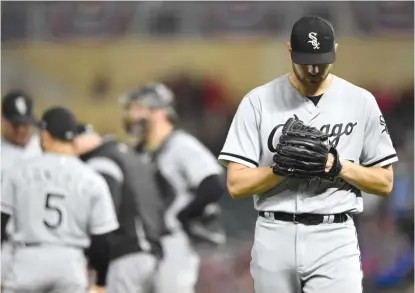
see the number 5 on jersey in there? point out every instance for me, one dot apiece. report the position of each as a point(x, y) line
point(51, 206)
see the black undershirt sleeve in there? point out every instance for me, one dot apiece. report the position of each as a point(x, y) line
point(98, 258)
point(209, 191)
point(4, 220)
point(98, 253)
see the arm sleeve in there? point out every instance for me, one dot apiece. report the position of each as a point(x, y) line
point(8, 189)
point(377, 148)
point(103, 216)
point(209, 191)
point(98, 256)
point(149, 203)
point(196, 162)
point(4, 220)
point(242, 143)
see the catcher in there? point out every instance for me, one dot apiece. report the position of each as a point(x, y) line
point(190, 180)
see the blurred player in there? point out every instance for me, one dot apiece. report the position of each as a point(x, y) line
point(17, 142)
point(55, 202)
point(190, 179)
point(134, 249)
point(17, 120)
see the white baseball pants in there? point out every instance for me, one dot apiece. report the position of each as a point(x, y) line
point(295, 258)
point(46, 268)
point(179, 269)
point(131, 273)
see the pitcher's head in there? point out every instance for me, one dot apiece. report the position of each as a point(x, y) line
point(312, 49)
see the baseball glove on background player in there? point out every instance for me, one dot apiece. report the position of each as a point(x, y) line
point(206, 228)
point(303, 152)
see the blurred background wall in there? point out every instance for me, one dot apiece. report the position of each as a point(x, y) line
point(85, 54)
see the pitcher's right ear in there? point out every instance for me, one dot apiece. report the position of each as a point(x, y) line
point(289, 49)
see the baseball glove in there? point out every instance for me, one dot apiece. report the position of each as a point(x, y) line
point(303, 152)
point(206, 228)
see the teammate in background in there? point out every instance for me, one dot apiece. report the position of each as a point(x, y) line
point(55, 202)
point(305, 238)
point(189, 176)
point(17, 143)
point(134, 250)
point(17, 119)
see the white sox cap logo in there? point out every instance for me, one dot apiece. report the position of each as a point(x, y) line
point(21, 106)
point(313, 40)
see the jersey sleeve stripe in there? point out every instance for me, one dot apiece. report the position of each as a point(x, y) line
point(385, 161)
point(237, 159)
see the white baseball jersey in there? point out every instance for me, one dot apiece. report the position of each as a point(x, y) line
point(11, 153)
point(347, 112)
point(185, 163)
point(57, 199)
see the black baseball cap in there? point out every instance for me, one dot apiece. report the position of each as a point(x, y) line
point(17, 107)
point(60, 123)
point(312, 41)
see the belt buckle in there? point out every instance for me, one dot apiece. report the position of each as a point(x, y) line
point(294, 220)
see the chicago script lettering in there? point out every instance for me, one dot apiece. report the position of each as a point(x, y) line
point(271, 146)
point(336, 132)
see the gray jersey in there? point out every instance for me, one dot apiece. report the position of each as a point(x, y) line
point(11, 153)
point(185, 163)
point(347, 112)
point(57, 199)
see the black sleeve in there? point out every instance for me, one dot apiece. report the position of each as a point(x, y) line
point(4, 220)
point(116, 189)
point(98, 256)
point(149, 203)
point(98, 252)
point(209, 191)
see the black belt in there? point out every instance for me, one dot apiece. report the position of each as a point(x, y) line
point(305, 219)
point(36, 244)
point(29, 244)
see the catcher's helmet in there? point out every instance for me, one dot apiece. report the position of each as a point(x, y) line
point(152, 95)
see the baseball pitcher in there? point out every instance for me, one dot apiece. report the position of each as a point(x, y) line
point(304, 146)
point(55, 202)
point(190, 180)
point(17, 142)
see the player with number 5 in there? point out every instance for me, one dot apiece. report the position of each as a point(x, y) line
point(56, 202)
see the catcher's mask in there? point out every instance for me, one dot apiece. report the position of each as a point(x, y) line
point(151, 96)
